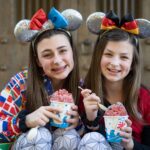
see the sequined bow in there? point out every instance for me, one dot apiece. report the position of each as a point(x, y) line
point(40, 17)
point(127, 23)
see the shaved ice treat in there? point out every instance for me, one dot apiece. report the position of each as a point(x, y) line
point(116, 110)
point(115, 118)
point(62, 95)
point(64, 100)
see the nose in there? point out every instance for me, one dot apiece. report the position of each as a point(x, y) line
point(115, 61)
point(57, 59)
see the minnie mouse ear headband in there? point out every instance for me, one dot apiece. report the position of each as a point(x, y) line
point(99, 21)
point(26, 30)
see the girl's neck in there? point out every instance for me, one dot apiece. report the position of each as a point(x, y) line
point(57, 84)
point(114, 92)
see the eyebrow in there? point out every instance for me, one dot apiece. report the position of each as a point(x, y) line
point(61, 46)
point(47, 50)
point(109, 50)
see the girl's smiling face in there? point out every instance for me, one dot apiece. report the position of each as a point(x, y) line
point(55, 57)
point(116, 60)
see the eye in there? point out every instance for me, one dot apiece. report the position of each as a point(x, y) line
point(48, 55)
point(108, 54)
point(63, 51)
point(124, 57)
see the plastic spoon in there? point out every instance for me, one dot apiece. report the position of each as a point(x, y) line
point(102, 107)
point(99, 104)
point(32, 133)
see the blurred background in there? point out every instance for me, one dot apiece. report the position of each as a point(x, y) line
point(14, 55)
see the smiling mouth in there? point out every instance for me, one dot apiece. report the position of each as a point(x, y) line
point(113, 70)
point(59, 70)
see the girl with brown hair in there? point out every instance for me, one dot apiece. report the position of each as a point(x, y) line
point(53, 65)
point(115, 76)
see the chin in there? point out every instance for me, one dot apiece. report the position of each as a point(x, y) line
point(112, 79)
point(62, 77)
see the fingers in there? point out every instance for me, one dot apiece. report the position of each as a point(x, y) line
point(74, 117)
point(126, 133)
point(44, 118)
point(53, 109)
point(73, 120)
point(48, 112)
point(129, 122)
point(90, 103)
point(70, 127)
point(55, 117)
point(41, 122)
point(42, 115)
point(74, 107)
point(127, 140)
point(86, 92)
point(92, 108)
point(73, 113)
point(93, 98)
point(73, 123)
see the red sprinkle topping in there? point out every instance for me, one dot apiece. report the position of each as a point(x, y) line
point(62, 95)
point(116, 110)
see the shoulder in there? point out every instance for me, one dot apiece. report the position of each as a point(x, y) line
point(144, 103)
point(144, 93)
point(20, 76)
point(18, 80)
point(15, 89)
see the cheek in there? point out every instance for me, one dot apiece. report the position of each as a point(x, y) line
point(43, 63)
point(70, 58)
point(127, 66)
point(39, 60)
point(72, 64)
point(103, 62)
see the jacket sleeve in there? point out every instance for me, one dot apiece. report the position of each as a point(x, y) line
point(139, 146)
point(12, 101)
point(145, 144)
point(145, 136)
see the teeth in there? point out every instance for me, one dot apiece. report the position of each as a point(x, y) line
point(113, 70)
point(56, 69)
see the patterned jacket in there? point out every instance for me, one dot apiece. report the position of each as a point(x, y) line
point(12, 101)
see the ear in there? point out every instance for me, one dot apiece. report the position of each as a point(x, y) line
point(144, 28)
point(74, 19)
point(22, 31)
point(94, 21)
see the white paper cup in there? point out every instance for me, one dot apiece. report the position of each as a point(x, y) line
point(113, 124)
point(63, 116)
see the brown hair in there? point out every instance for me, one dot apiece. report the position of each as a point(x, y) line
point(36, 93)
point(94, 79)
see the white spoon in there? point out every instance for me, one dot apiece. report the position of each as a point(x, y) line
point(32, 133)
point(102, 107)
